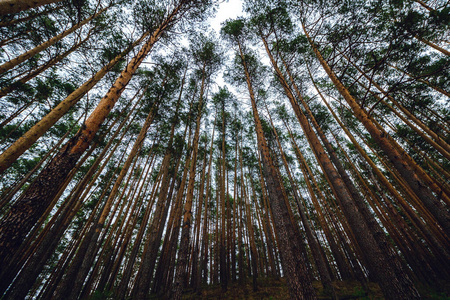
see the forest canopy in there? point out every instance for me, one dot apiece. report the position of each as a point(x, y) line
point(144, 155)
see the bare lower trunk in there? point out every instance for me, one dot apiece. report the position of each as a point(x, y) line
point(398, 157)
point(15, 6)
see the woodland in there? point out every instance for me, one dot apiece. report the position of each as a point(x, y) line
point(305, 147)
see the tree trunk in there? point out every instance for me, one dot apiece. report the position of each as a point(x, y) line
point(400, 160)
point(294, 267)
point(165, 265)
point(17, 84)
point(31, 16)
point(61, 221)
point(377, 261)
point(24, 213)
point(180, 276)
point(312, 241)
point(13, 152)
point(30, 53)
point(15, 6)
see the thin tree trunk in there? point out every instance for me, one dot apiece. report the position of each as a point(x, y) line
point(17, 84)
point(432, 45)
point(223, 199)
point(16, 113)
point(205, 235)
point(438, 142)
point(196, 271)
point(251, 234)
point(13, 152)
point(15, 6)
point(400, 160)
point(165, 265)
point(294, 266)
point(156, 228)
point(30, 53)
point(31, 16)
point(180, 276)
point(420, 79)
point(24, 213)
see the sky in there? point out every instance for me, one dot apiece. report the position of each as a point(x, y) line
point(227, 10)
point(230, 9)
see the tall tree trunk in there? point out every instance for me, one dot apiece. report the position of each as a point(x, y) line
point(180, 276)
point(196, 271)
point(377, 260)
point(223, 200)
point(205, 235)
point(56, 227)
point(13, 152)
point(156, 228)
point(312, 241)
point(294, 266)
point(165, 266)
point(336, 251)
point(393, 259)
point(251, 233)
point(401, 160)
point(30, 53)
point(23, 214)
point(88, 258)
point(271, 245)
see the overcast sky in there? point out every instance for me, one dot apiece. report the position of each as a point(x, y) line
point(227, 10)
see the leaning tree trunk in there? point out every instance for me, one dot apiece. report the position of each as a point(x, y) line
point(13, 152)
point(30, 53)
point(7, 23)
point(49, 241)
point(15, 6)
point(26, 212)
point(52, 62)
point(90, 255)
point(398, 157)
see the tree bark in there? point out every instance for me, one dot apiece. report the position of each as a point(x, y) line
point(30, 53)
point(14, 151)
point(15, 6)
point(400, 160)
point(24, 213)
point(294, 266)
point(180, 275)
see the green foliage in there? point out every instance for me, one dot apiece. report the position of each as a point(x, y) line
point(149, 14)
point(377, 37)
point(360, 293)
point(234, 29)
point(101, 295)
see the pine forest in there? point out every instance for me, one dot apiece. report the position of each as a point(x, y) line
point(298, 150)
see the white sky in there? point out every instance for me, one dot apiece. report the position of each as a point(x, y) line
point(227, 10)
point(230, 9)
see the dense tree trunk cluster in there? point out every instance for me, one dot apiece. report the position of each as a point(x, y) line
point(128, 173)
